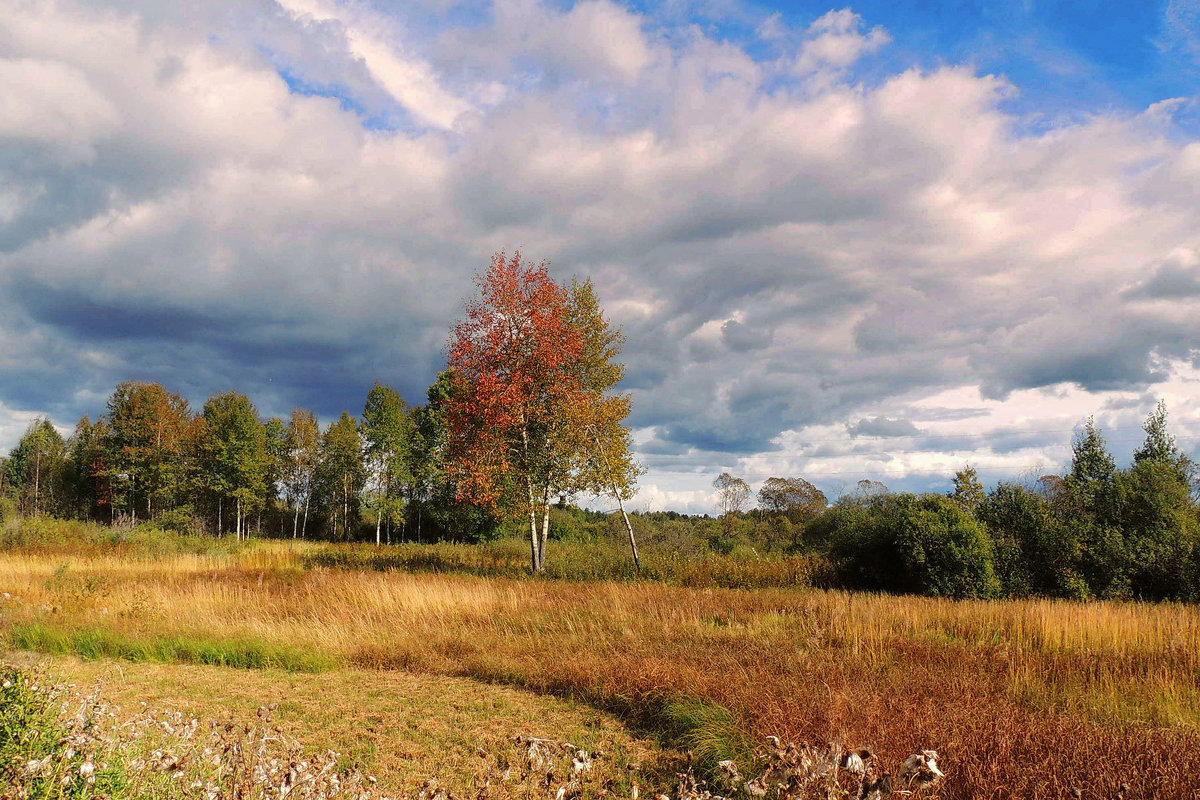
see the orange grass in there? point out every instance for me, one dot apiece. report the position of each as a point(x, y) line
point(1021, 699)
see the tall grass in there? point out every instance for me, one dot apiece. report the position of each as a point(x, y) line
point(577, 561)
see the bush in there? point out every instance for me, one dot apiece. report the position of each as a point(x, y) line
point(910, 544)
point(1034, 552)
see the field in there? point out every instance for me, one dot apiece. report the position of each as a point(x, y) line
point(406, 673)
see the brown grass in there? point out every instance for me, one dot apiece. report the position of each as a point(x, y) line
point(1021, 699)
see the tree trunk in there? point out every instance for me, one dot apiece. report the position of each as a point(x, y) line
point(220, 530)
point(37, 480)
point(637, 564)
point(238, 520)
point(304, 527)
point(346, 508)
point(378, 526)
point(545, 529)
point(533, 531)
point(296, 521)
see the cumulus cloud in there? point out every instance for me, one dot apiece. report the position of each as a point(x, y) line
point(291, 200)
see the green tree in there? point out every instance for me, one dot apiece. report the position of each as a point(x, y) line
point(87, 468)
point(434, 510)
point(303, 442)
point(733, 494)
point(275, 435)
point(968, 490)
point(387, 430)
point(1036, 552)
point(147, 429)
point(1159, 444)
point(795, 498)
point(1089, 505)
point(1156, 515)
point(606, 463)
point(35, 469)
point(233, 448)
point(913, 544)
point(342, 473)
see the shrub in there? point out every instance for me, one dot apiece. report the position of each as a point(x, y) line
point(1034, 552)
point(911, 544)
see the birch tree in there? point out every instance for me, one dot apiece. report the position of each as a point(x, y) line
point(529, 414)
point(35, 468)
point(303, 441)
point(234, 456)
point(387, 432)
point(341, 472)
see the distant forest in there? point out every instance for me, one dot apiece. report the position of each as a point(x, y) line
point(1096, 531)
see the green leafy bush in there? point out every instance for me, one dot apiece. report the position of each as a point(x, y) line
point(912, 544)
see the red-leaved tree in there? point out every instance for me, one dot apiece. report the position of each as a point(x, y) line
point(526, 410)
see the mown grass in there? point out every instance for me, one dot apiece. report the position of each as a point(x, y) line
point(998, 688)
point(402, 728)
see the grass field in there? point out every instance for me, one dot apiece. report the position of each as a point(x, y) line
point(1021, 699)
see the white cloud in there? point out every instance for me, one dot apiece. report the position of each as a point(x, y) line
point(52, 102)
point(785, 261)
point(411, 81)
point(836, 41)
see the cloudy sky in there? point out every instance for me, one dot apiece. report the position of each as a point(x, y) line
point(875, 241)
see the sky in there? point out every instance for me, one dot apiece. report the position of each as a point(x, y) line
point(881, 240)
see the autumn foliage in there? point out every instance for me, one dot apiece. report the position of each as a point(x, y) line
point(531, 365)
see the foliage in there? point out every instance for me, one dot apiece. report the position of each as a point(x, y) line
point(35, 471)
point(732, 493)
point(146, 434)
point(1036, 553)
point(43, 756)
point(234, 455)
point(529, 416)
point(796, 498)
point(917, 544)
point(387, 430)
point(341, 474)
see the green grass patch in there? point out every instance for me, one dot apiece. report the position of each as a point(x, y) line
point(95, 643)
point(712, 732)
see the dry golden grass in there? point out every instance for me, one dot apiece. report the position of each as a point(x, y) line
point(1021, 699)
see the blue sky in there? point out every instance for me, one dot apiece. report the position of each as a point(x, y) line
point(875, 240)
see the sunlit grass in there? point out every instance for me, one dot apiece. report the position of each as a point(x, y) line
point(991, 685)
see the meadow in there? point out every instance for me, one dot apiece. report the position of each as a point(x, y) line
point(1032, 698)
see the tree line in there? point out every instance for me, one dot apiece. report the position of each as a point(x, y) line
point(225, 469)
point(1096, 531)
point(525, 415)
